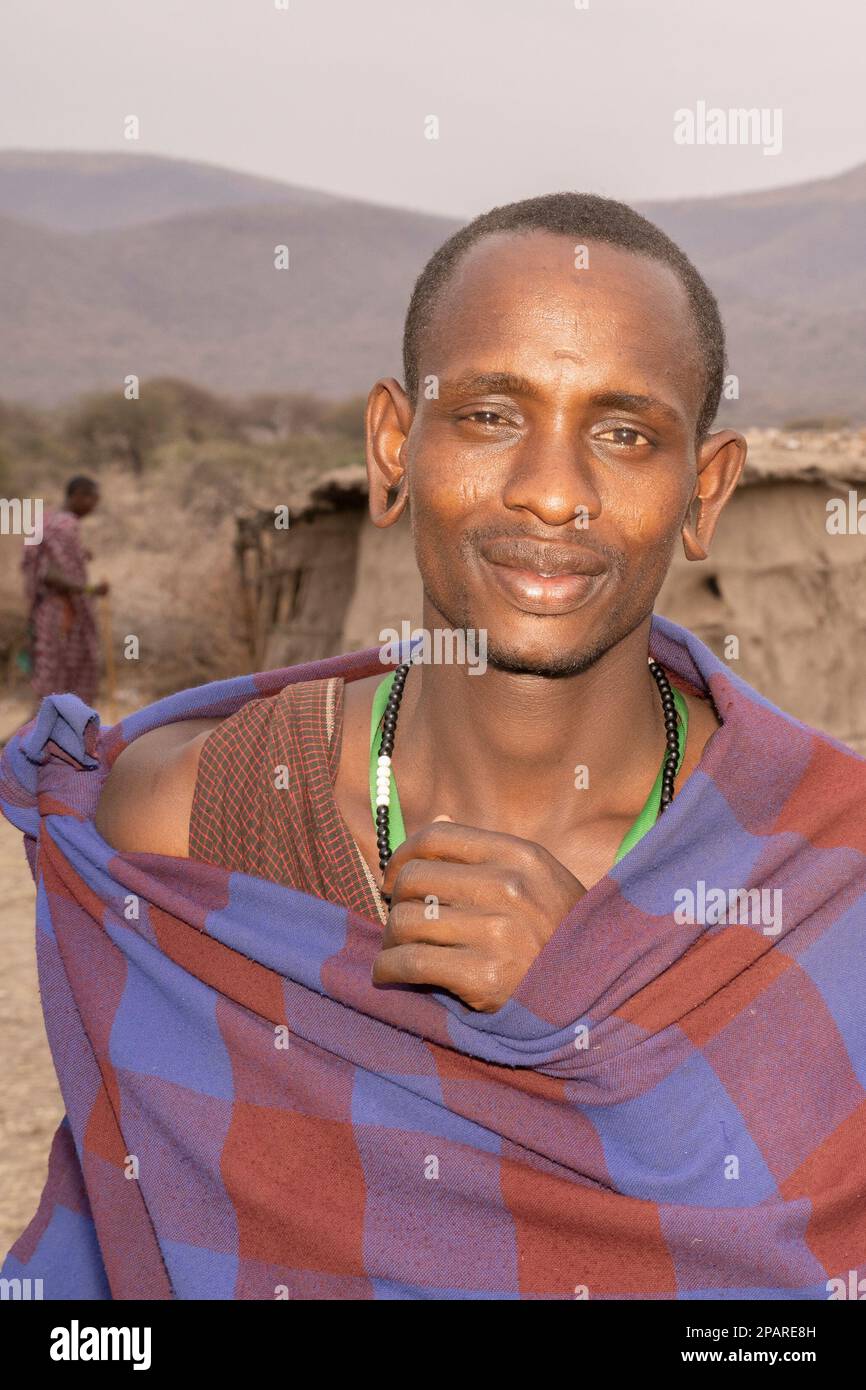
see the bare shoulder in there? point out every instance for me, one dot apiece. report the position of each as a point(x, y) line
point(146, 800)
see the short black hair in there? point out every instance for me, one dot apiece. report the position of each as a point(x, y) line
point(81, 483)
point(582, 217)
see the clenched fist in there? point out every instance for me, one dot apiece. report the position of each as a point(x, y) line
point(470, 911)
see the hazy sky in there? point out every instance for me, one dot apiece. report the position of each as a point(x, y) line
point(531, 95)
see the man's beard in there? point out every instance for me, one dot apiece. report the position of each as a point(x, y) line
point(501, 658)
point(555, 666)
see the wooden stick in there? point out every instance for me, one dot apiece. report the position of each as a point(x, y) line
point(108, 649)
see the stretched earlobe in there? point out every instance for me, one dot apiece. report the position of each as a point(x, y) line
point(692, 544)
point(389, 514)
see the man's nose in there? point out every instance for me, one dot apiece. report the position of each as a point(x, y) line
point(553, 477)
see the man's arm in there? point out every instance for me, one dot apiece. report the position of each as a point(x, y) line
point(146, 801)
point(53, 579)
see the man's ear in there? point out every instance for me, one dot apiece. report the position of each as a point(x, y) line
point(389, 418)
point(720, 462)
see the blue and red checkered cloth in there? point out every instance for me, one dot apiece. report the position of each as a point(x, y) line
point(662, 1110)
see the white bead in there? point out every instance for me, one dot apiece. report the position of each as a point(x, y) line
point(383, 799)
point(384, 760)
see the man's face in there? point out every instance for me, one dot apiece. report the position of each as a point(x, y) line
point(549, 481)
point(82, 503)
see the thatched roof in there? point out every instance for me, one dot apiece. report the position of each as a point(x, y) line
point(836, 458)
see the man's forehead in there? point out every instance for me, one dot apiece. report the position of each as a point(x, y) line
point(523, 291)
point(564, 264)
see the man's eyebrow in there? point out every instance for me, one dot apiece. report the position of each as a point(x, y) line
point(508, 384)
point(627, 400)
point(488, 383)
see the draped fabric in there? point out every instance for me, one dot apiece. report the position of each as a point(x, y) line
point(264, 799)
point(670, 1106)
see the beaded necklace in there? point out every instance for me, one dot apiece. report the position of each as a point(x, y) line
point(385, 802)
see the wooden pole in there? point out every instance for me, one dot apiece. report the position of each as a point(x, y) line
point(108, 652)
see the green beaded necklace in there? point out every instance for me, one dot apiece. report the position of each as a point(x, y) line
point(397, 831)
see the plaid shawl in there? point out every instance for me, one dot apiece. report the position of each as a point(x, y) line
point(670, 1106)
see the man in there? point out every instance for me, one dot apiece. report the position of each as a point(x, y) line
point(592, 1028)
point(64, 640)
point(561, 394)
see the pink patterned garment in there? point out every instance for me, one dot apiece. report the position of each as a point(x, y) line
point(64, 636)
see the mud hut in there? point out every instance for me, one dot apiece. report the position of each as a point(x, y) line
point(782, 597)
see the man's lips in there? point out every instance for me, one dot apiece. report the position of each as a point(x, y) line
point(543, 578)
point(545, 558)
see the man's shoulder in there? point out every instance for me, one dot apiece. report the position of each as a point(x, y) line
point(57, 519)
point(146, 799)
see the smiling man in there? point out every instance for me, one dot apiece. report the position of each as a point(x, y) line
point(543, 981)
point(563, 364)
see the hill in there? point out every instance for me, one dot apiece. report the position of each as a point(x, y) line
point(88, 192)
point(129, 263)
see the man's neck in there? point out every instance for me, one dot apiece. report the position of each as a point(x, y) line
point(505, 751)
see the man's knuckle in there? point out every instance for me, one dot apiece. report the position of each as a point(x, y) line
point(512, 886)
point(400, 921)
point(487, 981)
point(407, 878)
point(412, 959)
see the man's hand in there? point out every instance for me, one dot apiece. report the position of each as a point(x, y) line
point(470, 911)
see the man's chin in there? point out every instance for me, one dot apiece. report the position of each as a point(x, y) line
point(532, 660)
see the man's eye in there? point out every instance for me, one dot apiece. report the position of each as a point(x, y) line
point(487, 417)
point(624, 435)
